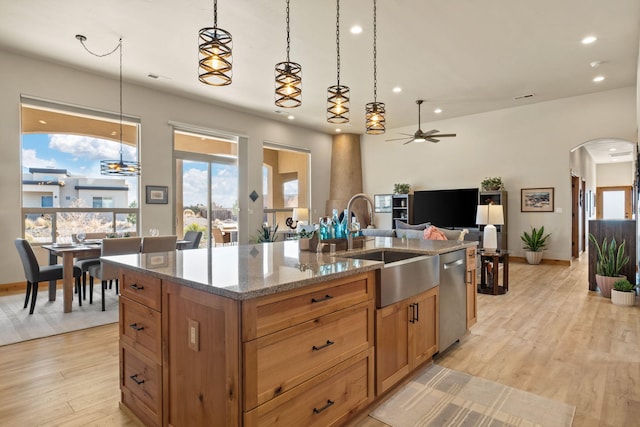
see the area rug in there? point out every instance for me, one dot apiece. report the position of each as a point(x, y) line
point(48, 318)
point(443, 397)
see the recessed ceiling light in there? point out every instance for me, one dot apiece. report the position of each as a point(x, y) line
point(612, 149)
point(589, 39)
point(598, 79)
point(438, 110)
point(397, 89)
point(356, 29)
point(338, 130)
point(42, 122)
point(595, 64)
point(290, 117)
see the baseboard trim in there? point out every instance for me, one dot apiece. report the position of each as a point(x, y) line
point(564, 262)
point(20, 287)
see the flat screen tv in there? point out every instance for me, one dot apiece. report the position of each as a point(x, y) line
point(446, 208)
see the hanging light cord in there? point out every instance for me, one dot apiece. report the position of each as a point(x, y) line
point(215, 14)
point(288, 39)
point(338, 37)
point(375, 54)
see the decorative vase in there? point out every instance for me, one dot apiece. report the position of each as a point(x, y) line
point(626, 299)
point(605, 284)
point(533, 257)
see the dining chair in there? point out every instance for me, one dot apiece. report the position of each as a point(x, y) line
point(220, 237)
point(194, 239)
point(36, 274)
point(84, 263)
point(159, 243)
point(105, 271)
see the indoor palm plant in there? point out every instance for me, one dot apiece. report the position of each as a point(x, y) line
point(623, 292)
point(534, 243)
point(611, 258)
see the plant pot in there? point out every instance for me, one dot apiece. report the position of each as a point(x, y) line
point(626, 299)
point(533, 257)
point(605, 284)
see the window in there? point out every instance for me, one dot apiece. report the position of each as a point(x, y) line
point(290, 192)
point(63, 191)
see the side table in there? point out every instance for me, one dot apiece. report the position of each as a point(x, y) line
point(489, 272)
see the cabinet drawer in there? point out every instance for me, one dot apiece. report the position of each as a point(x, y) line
point(279, 362)
point(140, 328)
point(141, 288)
point(275, 312)
point(140, 382)
point(326, 400)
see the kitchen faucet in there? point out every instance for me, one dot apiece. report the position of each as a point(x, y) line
point(354, 198)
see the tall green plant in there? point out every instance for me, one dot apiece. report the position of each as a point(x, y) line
point(266, 234)
point(611, 256)
point(536, 241)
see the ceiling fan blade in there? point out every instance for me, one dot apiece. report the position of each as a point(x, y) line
point(430, 139)
point(444, 135)
point(411, 140)
point(431, 132)
point(398, 139)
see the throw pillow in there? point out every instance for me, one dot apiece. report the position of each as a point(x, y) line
point(410, 234)
point(452, 234)
point(434, 233)
point(401, 225)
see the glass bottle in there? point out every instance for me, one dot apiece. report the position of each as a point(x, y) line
point(344, 225)
point(337, 230)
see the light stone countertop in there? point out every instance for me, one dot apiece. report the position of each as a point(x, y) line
point(249, 271)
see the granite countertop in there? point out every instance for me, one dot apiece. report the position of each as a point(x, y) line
point(249, 271)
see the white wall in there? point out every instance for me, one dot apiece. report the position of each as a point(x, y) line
point(28, 76)
point(614, 174)
point(528, 146)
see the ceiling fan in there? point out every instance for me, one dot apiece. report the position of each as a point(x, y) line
point(421, 136)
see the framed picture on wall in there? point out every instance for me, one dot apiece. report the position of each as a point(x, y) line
point(382, 203)
point(157, 195)
point(536, 200)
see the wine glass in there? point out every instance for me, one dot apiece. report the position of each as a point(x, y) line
point(80, 237)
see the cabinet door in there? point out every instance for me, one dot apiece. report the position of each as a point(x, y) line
point(472, 286)
point(423, 327)
point(392, 345)
point(202, 343)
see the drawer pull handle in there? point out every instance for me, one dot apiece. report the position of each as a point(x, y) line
point(413, 313)
point(136, 287)
point(136, 380)
point(325, 298)
point(329, 403)
point(316, 348)
point(135, 327)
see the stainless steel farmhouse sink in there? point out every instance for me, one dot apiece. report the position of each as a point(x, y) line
point(404, 274)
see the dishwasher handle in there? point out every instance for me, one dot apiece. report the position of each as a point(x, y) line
point(452, 264)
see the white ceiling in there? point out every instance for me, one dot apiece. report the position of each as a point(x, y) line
point(462, 56)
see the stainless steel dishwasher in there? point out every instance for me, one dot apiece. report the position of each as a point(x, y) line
point(453, 298)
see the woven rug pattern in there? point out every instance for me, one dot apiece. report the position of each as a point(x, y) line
point(441, 397)
point(48, 318)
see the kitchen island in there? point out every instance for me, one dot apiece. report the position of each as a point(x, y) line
point(257, 334)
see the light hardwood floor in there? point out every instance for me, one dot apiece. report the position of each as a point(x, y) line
point(549, 335)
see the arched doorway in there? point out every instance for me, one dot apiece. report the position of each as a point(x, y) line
point(597, 167)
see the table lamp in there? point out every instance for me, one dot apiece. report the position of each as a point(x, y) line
point(490, 216)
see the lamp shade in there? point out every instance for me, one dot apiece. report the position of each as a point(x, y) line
point(300, 214)
point(490, 214)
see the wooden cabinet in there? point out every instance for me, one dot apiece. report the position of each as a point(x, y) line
point(201, 370)
point(401, 208)
point(406, 337)
point(140, 346)
point(499, 198)
point(472, 286)
point(308, 353)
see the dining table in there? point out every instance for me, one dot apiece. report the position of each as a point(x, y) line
point(68, 252)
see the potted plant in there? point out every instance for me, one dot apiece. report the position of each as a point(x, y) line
point(611, 259)
point(492, 184)
point(534, 243)
point(267, 234)
point(623, 292)
point(401, 188)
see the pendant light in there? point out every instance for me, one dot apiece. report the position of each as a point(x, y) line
point(215, 53)
point(288, 79)
point(338, 95)
point(375, 111)
point(118, 167)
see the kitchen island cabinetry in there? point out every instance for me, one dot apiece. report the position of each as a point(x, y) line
point(472, 288)
point(406, 337)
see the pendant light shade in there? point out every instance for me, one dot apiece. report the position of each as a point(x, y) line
point(338, 95)
point(375, 111)
point(119, 166)
point(215, 59)
point(288, 79)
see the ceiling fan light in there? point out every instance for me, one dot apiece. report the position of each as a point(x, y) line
point(420, 139)
point(375, 118)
